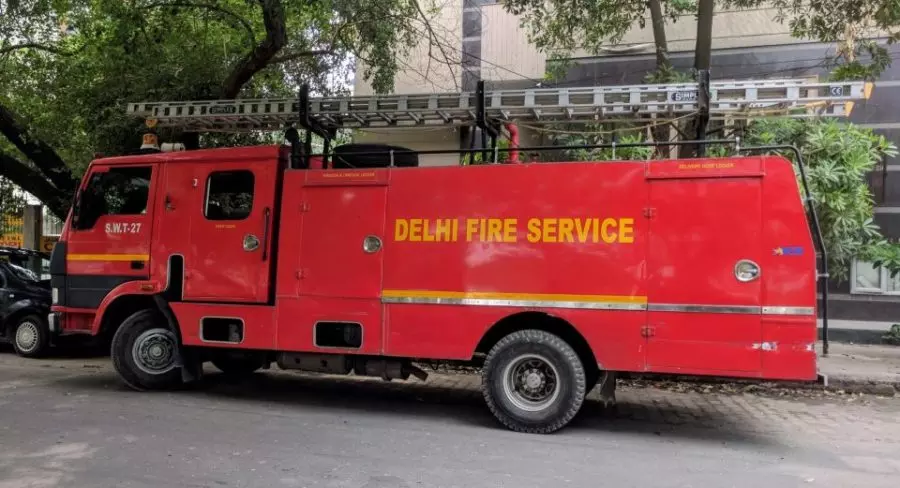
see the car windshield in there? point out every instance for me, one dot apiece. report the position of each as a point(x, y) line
point(23, 273)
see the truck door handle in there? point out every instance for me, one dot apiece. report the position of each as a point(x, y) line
point(137, 265)
point(265, 241)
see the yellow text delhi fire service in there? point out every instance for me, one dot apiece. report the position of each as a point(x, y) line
point(534, 230)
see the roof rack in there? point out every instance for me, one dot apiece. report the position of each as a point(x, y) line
point(727, 99)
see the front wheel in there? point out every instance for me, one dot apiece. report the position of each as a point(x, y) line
point(30, 336)
point(145, 352)
point(533, 382)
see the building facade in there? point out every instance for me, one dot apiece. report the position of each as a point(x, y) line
point(483, 42)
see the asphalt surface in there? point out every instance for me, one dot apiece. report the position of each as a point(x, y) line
point(68, 422)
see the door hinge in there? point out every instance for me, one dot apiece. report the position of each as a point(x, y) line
point(304, 207)
point(648, 331)
point(649, 212)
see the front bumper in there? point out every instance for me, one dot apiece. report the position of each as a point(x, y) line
point(53, 324)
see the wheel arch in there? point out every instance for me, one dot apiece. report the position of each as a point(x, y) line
point(19, 310)
point(123, 306)
point(541, 321)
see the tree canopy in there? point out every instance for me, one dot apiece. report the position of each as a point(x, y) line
point(68, 67)
point(561, 26)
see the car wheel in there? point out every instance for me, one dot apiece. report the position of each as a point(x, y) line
point(30, 336)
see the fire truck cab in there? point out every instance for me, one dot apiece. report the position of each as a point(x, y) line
point(554, 271)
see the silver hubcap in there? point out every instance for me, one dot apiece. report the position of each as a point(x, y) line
point(531, 382)
point(27, 336)
point(154, 351)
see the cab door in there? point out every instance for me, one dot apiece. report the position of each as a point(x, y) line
point(109, 241)
point(704, 298)
point(229, 258)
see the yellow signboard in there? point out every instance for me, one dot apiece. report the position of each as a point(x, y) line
point(12, 240)
point(47, 243)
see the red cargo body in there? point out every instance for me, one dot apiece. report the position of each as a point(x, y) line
point(635, 264)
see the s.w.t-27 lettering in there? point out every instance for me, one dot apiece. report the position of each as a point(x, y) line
point(123, 227)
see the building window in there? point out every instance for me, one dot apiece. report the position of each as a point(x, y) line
point(873, 280)
point(229, 195)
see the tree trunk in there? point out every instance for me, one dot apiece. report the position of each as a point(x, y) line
point(659, 35)
point(40, 153)
point(703, 48)
point(35, 183)
point(660, 133)
point(257, 59)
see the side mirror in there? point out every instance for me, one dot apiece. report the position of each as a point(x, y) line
point(76, 208)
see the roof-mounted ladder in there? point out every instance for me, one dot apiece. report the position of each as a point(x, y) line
point(728, 99)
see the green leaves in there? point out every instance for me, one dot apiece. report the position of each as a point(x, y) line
point(839, 157)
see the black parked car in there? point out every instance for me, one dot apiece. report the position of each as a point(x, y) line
point(24, 303)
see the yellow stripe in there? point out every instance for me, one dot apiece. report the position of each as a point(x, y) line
point(514, 296)
point(108, 257)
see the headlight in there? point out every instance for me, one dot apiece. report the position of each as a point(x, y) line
point(54, 295)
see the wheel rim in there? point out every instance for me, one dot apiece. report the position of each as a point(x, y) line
point(531, 382)
point(154, 351)
point(27, 337)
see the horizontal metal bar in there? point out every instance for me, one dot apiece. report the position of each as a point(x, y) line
point(788, 311)
point(734, 309)
point(594, 305)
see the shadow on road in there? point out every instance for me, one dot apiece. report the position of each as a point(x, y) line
point(68, 348)
point(431, 400)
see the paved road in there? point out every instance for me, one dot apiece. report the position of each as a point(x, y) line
point(69, 423)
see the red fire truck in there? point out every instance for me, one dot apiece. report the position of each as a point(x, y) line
point(548, 274)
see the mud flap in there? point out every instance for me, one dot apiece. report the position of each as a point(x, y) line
point(191, 367)
point(608, 389)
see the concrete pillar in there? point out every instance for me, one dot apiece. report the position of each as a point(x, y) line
point(33, 228)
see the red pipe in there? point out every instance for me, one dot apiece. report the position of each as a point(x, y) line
point(513, 142)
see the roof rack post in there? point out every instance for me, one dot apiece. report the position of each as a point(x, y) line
point(312, 126)
point(702, 107)
point(488, 128)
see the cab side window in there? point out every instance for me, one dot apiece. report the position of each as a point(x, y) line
point(119, 191)
point(229, 195)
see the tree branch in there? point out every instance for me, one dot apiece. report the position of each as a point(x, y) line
point(34, 183)
point(300, 54)
point(40, 153)
point(208, 6)
point(260, 57)
point(433, 38)
point(39, 47)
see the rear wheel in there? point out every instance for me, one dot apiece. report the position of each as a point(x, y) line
point(145, 352)
point(30, 336)
point(533, 382)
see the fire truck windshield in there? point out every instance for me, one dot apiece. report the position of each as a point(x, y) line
point(119, 191)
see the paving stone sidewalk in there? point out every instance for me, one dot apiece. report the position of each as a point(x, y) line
point(856, 364)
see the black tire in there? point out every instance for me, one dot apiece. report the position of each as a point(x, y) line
point(30, 336)
point(157, 371)
point(238, 365)
point(510, 407)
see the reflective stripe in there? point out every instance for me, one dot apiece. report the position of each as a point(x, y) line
point(592, 302)
point(108, 257)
